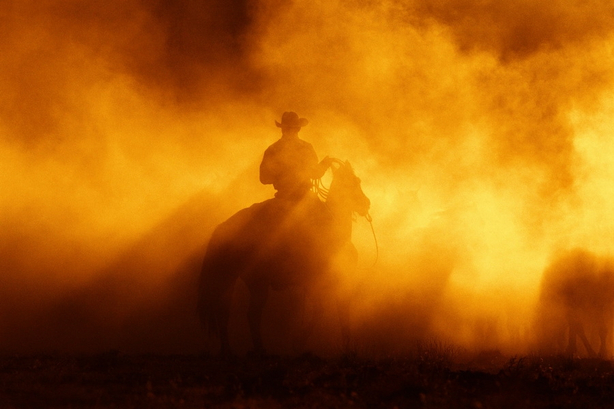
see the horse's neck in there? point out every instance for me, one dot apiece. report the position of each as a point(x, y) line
point(341, 219)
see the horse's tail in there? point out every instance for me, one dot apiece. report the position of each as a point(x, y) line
point(215, 287)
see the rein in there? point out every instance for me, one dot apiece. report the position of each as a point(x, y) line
point(370, 220)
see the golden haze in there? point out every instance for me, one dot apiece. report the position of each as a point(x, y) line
point(481, 132)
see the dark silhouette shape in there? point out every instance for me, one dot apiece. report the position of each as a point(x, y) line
point(290, 164)
point(577, 294)
point(276, 244)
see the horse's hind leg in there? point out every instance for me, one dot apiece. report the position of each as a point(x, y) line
point(603, 337)
point(223, 318)
point(258, 295)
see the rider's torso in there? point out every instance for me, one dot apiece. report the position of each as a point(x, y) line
point(289, 164)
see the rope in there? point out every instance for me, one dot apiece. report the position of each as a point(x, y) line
point(320, 190)
point(318, 186)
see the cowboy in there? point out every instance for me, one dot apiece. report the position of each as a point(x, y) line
point(290, 164)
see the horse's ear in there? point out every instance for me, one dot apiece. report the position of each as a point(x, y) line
point(349, 167)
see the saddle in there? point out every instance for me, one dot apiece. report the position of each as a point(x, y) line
point(307, 215)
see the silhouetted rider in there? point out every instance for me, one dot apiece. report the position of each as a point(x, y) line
point(291, 163)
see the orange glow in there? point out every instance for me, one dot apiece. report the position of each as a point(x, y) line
point(481, 133)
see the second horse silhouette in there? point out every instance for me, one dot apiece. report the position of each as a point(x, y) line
point(577, 300)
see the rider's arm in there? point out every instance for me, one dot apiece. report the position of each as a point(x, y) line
point(323, 167)
point(267, 169)
point(319, 168)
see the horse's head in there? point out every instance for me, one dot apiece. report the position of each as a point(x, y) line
point(345, 189)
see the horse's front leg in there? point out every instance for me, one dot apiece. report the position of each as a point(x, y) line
point(576, 330)
point(343, 310)
point(258, 295)
point(585, 341)
point(572, 336)
point(605, 320)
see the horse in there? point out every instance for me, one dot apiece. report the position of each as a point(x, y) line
point(277, 244)
point(577, 294)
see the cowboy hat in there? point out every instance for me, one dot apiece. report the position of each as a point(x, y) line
point(291, 120)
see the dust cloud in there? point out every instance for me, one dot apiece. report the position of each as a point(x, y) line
point(129, 129)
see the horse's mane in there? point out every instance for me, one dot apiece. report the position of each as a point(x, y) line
point(318, 186)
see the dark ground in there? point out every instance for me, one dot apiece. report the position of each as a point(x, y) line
point(428, 379)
